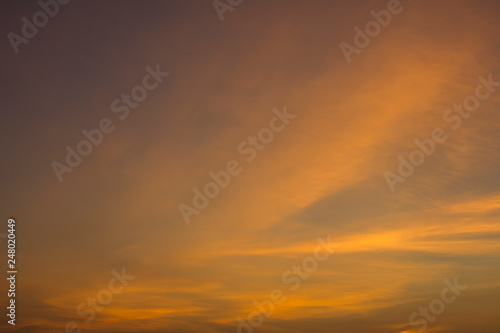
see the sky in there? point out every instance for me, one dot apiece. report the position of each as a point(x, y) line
point(359, 168)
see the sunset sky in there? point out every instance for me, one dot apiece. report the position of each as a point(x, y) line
point(322, 176)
